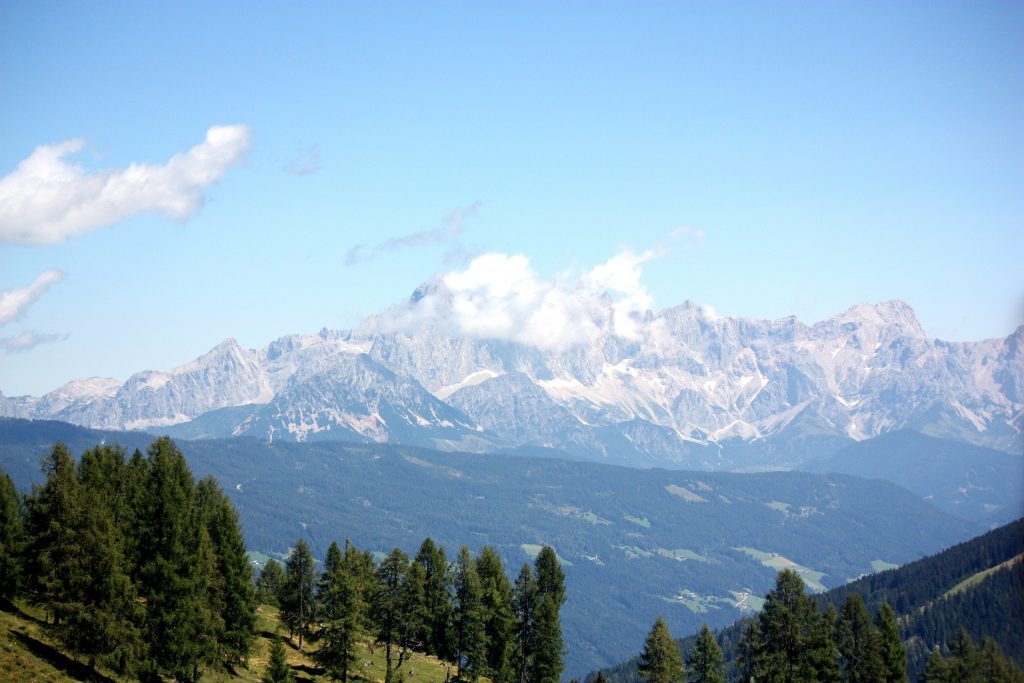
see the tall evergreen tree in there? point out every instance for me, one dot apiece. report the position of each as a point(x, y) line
point(12, 538)
point(784, 625)
point(749, 652)
point(270, 583)
point(232, 598)
point(705, 663)
point(860, 654)
point(821, 658)
point(174, 548)
point(524, 604)
point(894, 656)
point(548, 647)
point(278, 670)
point(341, 608)
point(390, 611)
point(438, 629)
point(499, 620)
point(937, 670)
point(660, 661)
point(297, 603)
point(471, 635)
point(54, 544)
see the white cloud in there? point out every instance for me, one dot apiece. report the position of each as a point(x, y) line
point(26, 341)
point(15, 302)
point(48, 199)
point(500, 296)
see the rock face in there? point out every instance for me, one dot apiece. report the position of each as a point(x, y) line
point(681, 387)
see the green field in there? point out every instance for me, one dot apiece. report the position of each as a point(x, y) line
point(811, 577)
point(681, 554)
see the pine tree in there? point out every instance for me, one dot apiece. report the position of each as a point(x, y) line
point(498, 616)
point(297, 603)
point(821, 658)
point(12, 538)
point(341, 607)
point(471, 636)
point(177, 566)
point(749, 652)
point(390, 603)
point(705, 663)
point(858, 643)
point(438, 629)
point(548, 647)
point(937, 670)
point(270, 583)
point(524, 603)
point(54, 544)
point(784, 626)
point(660, 661)
point(894, 657)
point(232, 598)
point(278, 670)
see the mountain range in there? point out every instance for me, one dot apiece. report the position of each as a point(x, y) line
point(680, 387)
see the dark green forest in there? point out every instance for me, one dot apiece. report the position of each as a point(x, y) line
point(141, 570)
point(954, 616)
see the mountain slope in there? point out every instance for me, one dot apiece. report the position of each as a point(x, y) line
point(968, 481)
point(919, 592)
point(694, 546)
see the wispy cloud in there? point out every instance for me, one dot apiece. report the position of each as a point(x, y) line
point(48, 199)
point(15, 302)
point(500, 296)
point(449, 230)
point(26, 341)
point(305, 162)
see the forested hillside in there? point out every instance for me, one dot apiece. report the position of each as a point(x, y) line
point(130, 568)
point(976, 587)
point(695, 547)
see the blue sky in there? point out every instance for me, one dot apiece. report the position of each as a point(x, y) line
point(818, 155)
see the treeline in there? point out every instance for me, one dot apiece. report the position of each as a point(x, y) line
point(136, 566)
point(467, 613)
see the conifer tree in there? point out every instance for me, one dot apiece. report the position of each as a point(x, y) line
point(660, 661)
point(471, 636)
point(341, 608)
point(784, 626)
point(438, 628)
point(705, 663)
point(54, 544)
point(270, 583)
point(174, 548)
point(297, 603)
point(821, 660)
point(524, 603)
point(937, 669)
point(548, 647)
point(749, 652)
point(100, 616)
point(858, 644)
point(12, 538)
point(278, 670)
point(390, 611)
point(894, 657)
point(232, 598)
point(498, 616)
